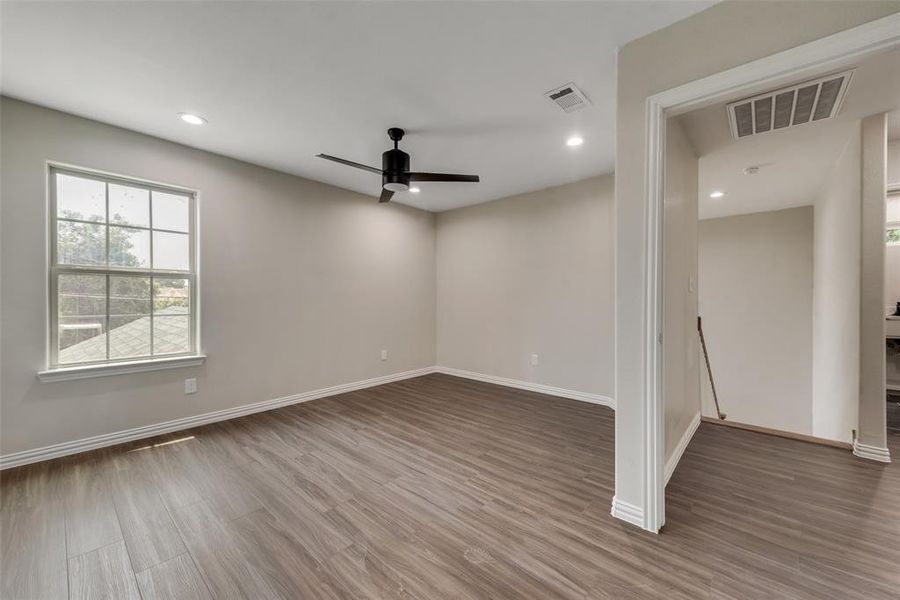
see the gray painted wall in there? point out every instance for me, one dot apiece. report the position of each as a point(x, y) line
point(302, 283)
point(836, 298)
point(756, 300)
point(530, 274)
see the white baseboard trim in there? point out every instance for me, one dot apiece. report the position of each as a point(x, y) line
point(871, 452)
point(111, 439)
point(681, 447)
point(527, 385)
point(627, 512)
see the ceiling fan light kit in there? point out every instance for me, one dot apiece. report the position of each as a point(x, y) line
point(395, 173)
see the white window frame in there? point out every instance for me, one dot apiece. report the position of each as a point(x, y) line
point(193, 357)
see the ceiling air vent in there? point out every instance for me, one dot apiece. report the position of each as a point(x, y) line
point(802, 103)
point(568, 97)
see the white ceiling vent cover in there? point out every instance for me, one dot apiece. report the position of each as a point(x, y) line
point(805, 102)
point(568, 97)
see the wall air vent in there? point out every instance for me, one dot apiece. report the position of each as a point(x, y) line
point(806, 102)
point(568, 97)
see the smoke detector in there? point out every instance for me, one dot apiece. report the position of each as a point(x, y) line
point(568, 97)
point(814, 100)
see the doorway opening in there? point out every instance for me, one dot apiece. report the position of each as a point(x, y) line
point(830, 55)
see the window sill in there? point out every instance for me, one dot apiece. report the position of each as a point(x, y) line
point(121, 368)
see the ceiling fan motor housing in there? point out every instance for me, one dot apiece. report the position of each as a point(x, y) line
point(395, 164)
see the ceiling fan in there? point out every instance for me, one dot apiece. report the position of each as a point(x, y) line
point(394, 171)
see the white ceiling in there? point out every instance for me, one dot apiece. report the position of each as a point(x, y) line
point(794, 163)
point(280, 82)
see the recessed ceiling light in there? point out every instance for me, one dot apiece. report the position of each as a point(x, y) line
point(192, 119)
point(575, 141)
point(717, 194)
point(414, 190)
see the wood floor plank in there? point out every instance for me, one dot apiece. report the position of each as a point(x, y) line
point(174, 579)
point(276, 552)
point(358, 578)
point(91, 523)
point(149, 532)
point(438, 487)
point(103, 574)
point(223, 564)
point(30, 486)
point(309, 478)
point(319, 535)
point(172, 473)
point(33, 552)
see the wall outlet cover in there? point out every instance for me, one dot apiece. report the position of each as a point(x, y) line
point(190, 386)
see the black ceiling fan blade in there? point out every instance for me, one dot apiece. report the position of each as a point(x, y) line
point(443, 177)
point(386, 195)
point(350, 163)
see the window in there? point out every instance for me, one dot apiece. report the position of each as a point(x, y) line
point(893, 235)
point(122, 270)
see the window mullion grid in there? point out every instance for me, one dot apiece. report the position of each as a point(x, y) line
point(108, 279)
point(108, 331)
point(54, 315)
point(95, 270)
point(152, 312)
point(124, 226)
point(192, 308)
point(192, 265)
point(152, 278)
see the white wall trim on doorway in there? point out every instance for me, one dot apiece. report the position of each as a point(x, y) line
point(871, 452)
point(790, 65)
point(627, 512)
point(678, 452)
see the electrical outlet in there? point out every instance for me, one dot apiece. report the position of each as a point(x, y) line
point(384, 355)
point(534, 360)
point(190, 386)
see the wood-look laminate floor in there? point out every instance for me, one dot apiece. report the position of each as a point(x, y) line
point(440, 487)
